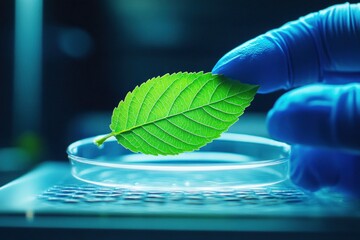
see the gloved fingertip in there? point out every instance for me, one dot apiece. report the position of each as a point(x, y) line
point(259, 61)
point(277, 121)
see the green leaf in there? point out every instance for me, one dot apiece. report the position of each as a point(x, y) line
point(179, 112)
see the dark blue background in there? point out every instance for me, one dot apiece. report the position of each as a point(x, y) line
point(94, 52)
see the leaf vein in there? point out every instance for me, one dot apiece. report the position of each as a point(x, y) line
point(220, 110)
point(158, 100)
point(142, 103)
point(129, 107)
point(217, 86)
point(149, 144)
point(234, 104)
point(178, 96)
point(183, 129)
point(161, 140)
point(172, 135)
point(129, 142)
point(213, 116)
point(205, 125)
point(197, 93)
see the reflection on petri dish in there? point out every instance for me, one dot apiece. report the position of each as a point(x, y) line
point(230, 162)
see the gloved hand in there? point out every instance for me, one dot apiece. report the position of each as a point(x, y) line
point(321, 121)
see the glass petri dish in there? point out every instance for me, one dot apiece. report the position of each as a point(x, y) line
point(232, 161)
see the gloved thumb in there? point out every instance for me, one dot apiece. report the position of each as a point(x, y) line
point(318, 115)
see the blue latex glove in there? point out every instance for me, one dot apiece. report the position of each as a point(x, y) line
point(321, 121)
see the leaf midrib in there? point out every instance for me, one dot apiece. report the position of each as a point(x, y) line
point(173, 115)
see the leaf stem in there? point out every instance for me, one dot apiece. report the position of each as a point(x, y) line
point(99, 141)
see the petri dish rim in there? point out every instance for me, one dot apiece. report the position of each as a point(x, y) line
point(233, 161)
point(232, 137)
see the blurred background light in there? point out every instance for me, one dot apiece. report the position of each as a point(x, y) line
point(27, 108)
point(154, 23)
point(75, 42)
